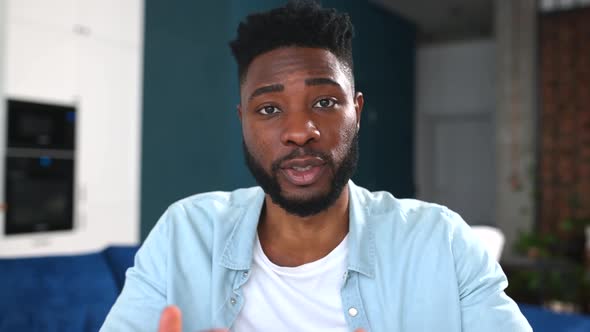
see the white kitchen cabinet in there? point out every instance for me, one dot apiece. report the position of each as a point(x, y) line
point(41, 39)
point(51, 14)
point(86, 53)
point(109, 135)
point(113, 21)
point(40, 50)
point(40, 62)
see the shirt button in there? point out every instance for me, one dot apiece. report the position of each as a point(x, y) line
point(232, 301)
point(245, 274)
point(353, 312)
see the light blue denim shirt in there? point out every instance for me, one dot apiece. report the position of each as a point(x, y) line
point(412, 266)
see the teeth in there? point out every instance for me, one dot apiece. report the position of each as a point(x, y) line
point(302, 169)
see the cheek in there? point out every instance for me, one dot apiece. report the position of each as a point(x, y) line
point(250, 134)
point(258, 144)
point(344, 136)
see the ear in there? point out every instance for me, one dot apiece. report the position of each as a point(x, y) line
point(359, 102)
point(239, 108)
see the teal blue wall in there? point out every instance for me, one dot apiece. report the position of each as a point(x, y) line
point(384, 57)
point(191, 133)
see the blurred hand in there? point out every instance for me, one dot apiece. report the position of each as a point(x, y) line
point(171, 321)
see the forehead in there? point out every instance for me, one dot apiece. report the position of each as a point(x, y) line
point(284, 64)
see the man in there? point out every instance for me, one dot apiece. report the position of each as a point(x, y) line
point(308, 250)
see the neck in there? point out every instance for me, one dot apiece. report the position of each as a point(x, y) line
point(289, 240)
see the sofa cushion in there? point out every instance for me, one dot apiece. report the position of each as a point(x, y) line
point(543, 320)
point(120, 258)
point(58, 318)
point(60, 293)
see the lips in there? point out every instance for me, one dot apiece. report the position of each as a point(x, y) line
point(303, 171)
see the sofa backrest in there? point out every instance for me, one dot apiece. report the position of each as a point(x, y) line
point(120, 258)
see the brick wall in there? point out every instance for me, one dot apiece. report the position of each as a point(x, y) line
point(564, 169)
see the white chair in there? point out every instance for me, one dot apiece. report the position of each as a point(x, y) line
point(492, 238)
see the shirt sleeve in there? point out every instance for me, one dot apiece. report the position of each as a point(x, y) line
point(484, 304)
point(143, 297)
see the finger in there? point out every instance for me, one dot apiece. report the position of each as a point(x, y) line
point(171, 320)
point(359, 330)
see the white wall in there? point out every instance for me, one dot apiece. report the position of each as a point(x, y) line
point(456, 78)
point(86, 53)
point(455, 95)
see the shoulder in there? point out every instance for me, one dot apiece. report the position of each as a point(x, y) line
point(215, 202)
point(236, 198)
point(405, 211)
point(205, 211)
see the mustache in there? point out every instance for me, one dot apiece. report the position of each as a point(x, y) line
point(298, 153)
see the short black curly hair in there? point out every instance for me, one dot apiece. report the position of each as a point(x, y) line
point(302, 23)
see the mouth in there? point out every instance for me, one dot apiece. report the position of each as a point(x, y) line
point(303, 171)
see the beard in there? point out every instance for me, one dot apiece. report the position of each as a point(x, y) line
point(305, 207)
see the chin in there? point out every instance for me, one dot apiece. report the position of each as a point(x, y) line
point(314, 190)
point(301, 196)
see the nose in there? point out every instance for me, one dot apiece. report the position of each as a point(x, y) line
point(299, 129)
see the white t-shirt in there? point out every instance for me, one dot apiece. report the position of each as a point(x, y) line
point(298, 299)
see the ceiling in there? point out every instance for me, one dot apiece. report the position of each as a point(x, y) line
point(440, 20)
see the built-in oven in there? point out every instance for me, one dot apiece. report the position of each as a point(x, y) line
point(39, 192)
point(40, 126)
point(39, 167)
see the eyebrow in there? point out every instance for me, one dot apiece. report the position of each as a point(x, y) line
point(279, 87)
point(321, 81)
point(267, 89)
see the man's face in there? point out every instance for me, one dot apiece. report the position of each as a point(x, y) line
point(300, 121)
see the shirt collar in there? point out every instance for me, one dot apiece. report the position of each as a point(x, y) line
point(237, 253)
point(361, 237)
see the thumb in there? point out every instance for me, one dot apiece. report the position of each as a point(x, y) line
point(170, 320)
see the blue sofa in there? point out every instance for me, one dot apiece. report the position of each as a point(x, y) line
point(61, 293)
point(75, 293)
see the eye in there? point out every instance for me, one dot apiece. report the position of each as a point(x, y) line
point(269, 110)
point(325, 103)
